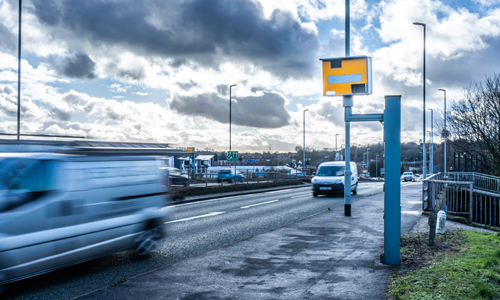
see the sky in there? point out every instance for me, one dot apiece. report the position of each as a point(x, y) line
point(160, 70)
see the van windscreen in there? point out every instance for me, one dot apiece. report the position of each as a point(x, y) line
point(331, 171)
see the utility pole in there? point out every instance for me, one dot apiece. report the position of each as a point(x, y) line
point(19, 76)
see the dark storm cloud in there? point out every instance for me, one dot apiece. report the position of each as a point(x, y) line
point(8, 42)
point(205, 31)
point(60, 115)
point(266, 111)
point(78, 65)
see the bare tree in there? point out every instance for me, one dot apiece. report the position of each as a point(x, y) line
point(474, 123)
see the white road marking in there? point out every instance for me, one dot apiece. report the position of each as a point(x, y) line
point(197, 217)
point(280, 191)
point(204, 201)
point(411, 212)
point(259, 204)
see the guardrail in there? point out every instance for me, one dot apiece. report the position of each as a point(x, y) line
point(426, 204)
point(464, 198)
point(481, 181)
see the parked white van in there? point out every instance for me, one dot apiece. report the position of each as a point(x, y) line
point(58, 210)
point(329, 178)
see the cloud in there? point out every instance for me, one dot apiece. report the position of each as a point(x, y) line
point(8, 41)
point(204, 31)
point(264, 111)
point(78, 65)
point(187, 85)
point(60, 115)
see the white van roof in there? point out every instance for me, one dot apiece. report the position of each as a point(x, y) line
point(335, 163)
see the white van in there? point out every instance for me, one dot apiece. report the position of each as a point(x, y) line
point(57, 210)
point(329, 178)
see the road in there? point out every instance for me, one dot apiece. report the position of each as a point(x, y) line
point(195, 228)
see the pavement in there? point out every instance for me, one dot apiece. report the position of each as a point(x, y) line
point(325, 256)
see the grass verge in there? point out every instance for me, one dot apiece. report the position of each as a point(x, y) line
point(463, 264)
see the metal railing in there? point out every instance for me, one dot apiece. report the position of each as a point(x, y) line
point(426, 203)
point(481, 181)
point(464, 194)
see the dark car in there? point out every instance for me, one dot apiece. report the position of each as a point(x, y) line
point(176, 177)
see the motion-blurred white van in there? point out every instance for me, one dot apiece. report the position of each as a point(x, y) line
point(57, 210)
point(329, 178)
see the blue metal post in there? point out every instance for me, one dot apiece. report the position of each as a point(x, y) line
point(347, 103)
point(392, 197)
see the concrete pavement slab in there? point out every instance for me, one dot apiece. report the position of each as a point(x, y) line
point(326, 256)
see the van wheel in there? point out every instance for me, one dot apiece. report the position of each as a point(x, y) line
point(355, 191)
point(232, 180)
point(147, 241)
point(315, 195)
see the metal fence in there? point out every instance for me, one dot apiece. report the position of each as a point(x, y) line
point(481, 181)
point(464, 194)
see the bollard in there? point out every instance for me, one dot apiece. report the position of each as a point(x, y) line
point(441, 222)
point(432, 227)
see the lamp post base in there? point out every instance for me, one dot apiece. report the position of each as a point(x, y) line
point(347, 210)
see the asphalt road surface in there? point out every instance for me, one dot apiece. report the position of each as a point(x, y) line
point(194, 228)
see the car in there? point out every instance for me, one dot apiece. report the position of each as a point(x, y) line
point(176, 177)
point(408, 176)
point(58, 210)
point(329, 178)
point(230, 175)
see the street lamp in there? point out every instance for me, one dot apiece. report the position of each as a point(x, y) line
point(230, 115)
point(444, 131)
point(336, 146)
point(376, 166)
point(431, 157)
point(367, 160)
point(19, 76)
point(424, 173)
point(341, 147)
point(304, 141)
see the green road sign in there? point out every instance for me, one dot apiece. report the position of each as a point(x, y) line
point(232, 156)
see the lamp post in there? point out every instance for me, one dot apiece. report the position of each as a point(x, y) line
point(341, 147)
point(424, 172)
point(336, 146)
point(304, 140)
point(19, 76)
point(431, 152)
point(230, 115)
point(376, 166)
point(444, 131)
point(367, 160)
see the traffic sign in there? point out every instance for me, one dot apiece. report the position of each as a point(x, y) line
point(347, 76)
point(232, 156)
point(190, 149)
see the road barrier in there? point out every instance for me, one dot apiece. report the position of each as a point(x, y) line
point(472, 199)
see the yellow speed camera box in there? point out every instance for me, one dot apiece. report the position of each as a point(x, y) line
point(344, 76)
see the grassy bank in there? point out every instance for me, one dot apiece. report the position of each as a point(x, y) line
point(463, 264)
